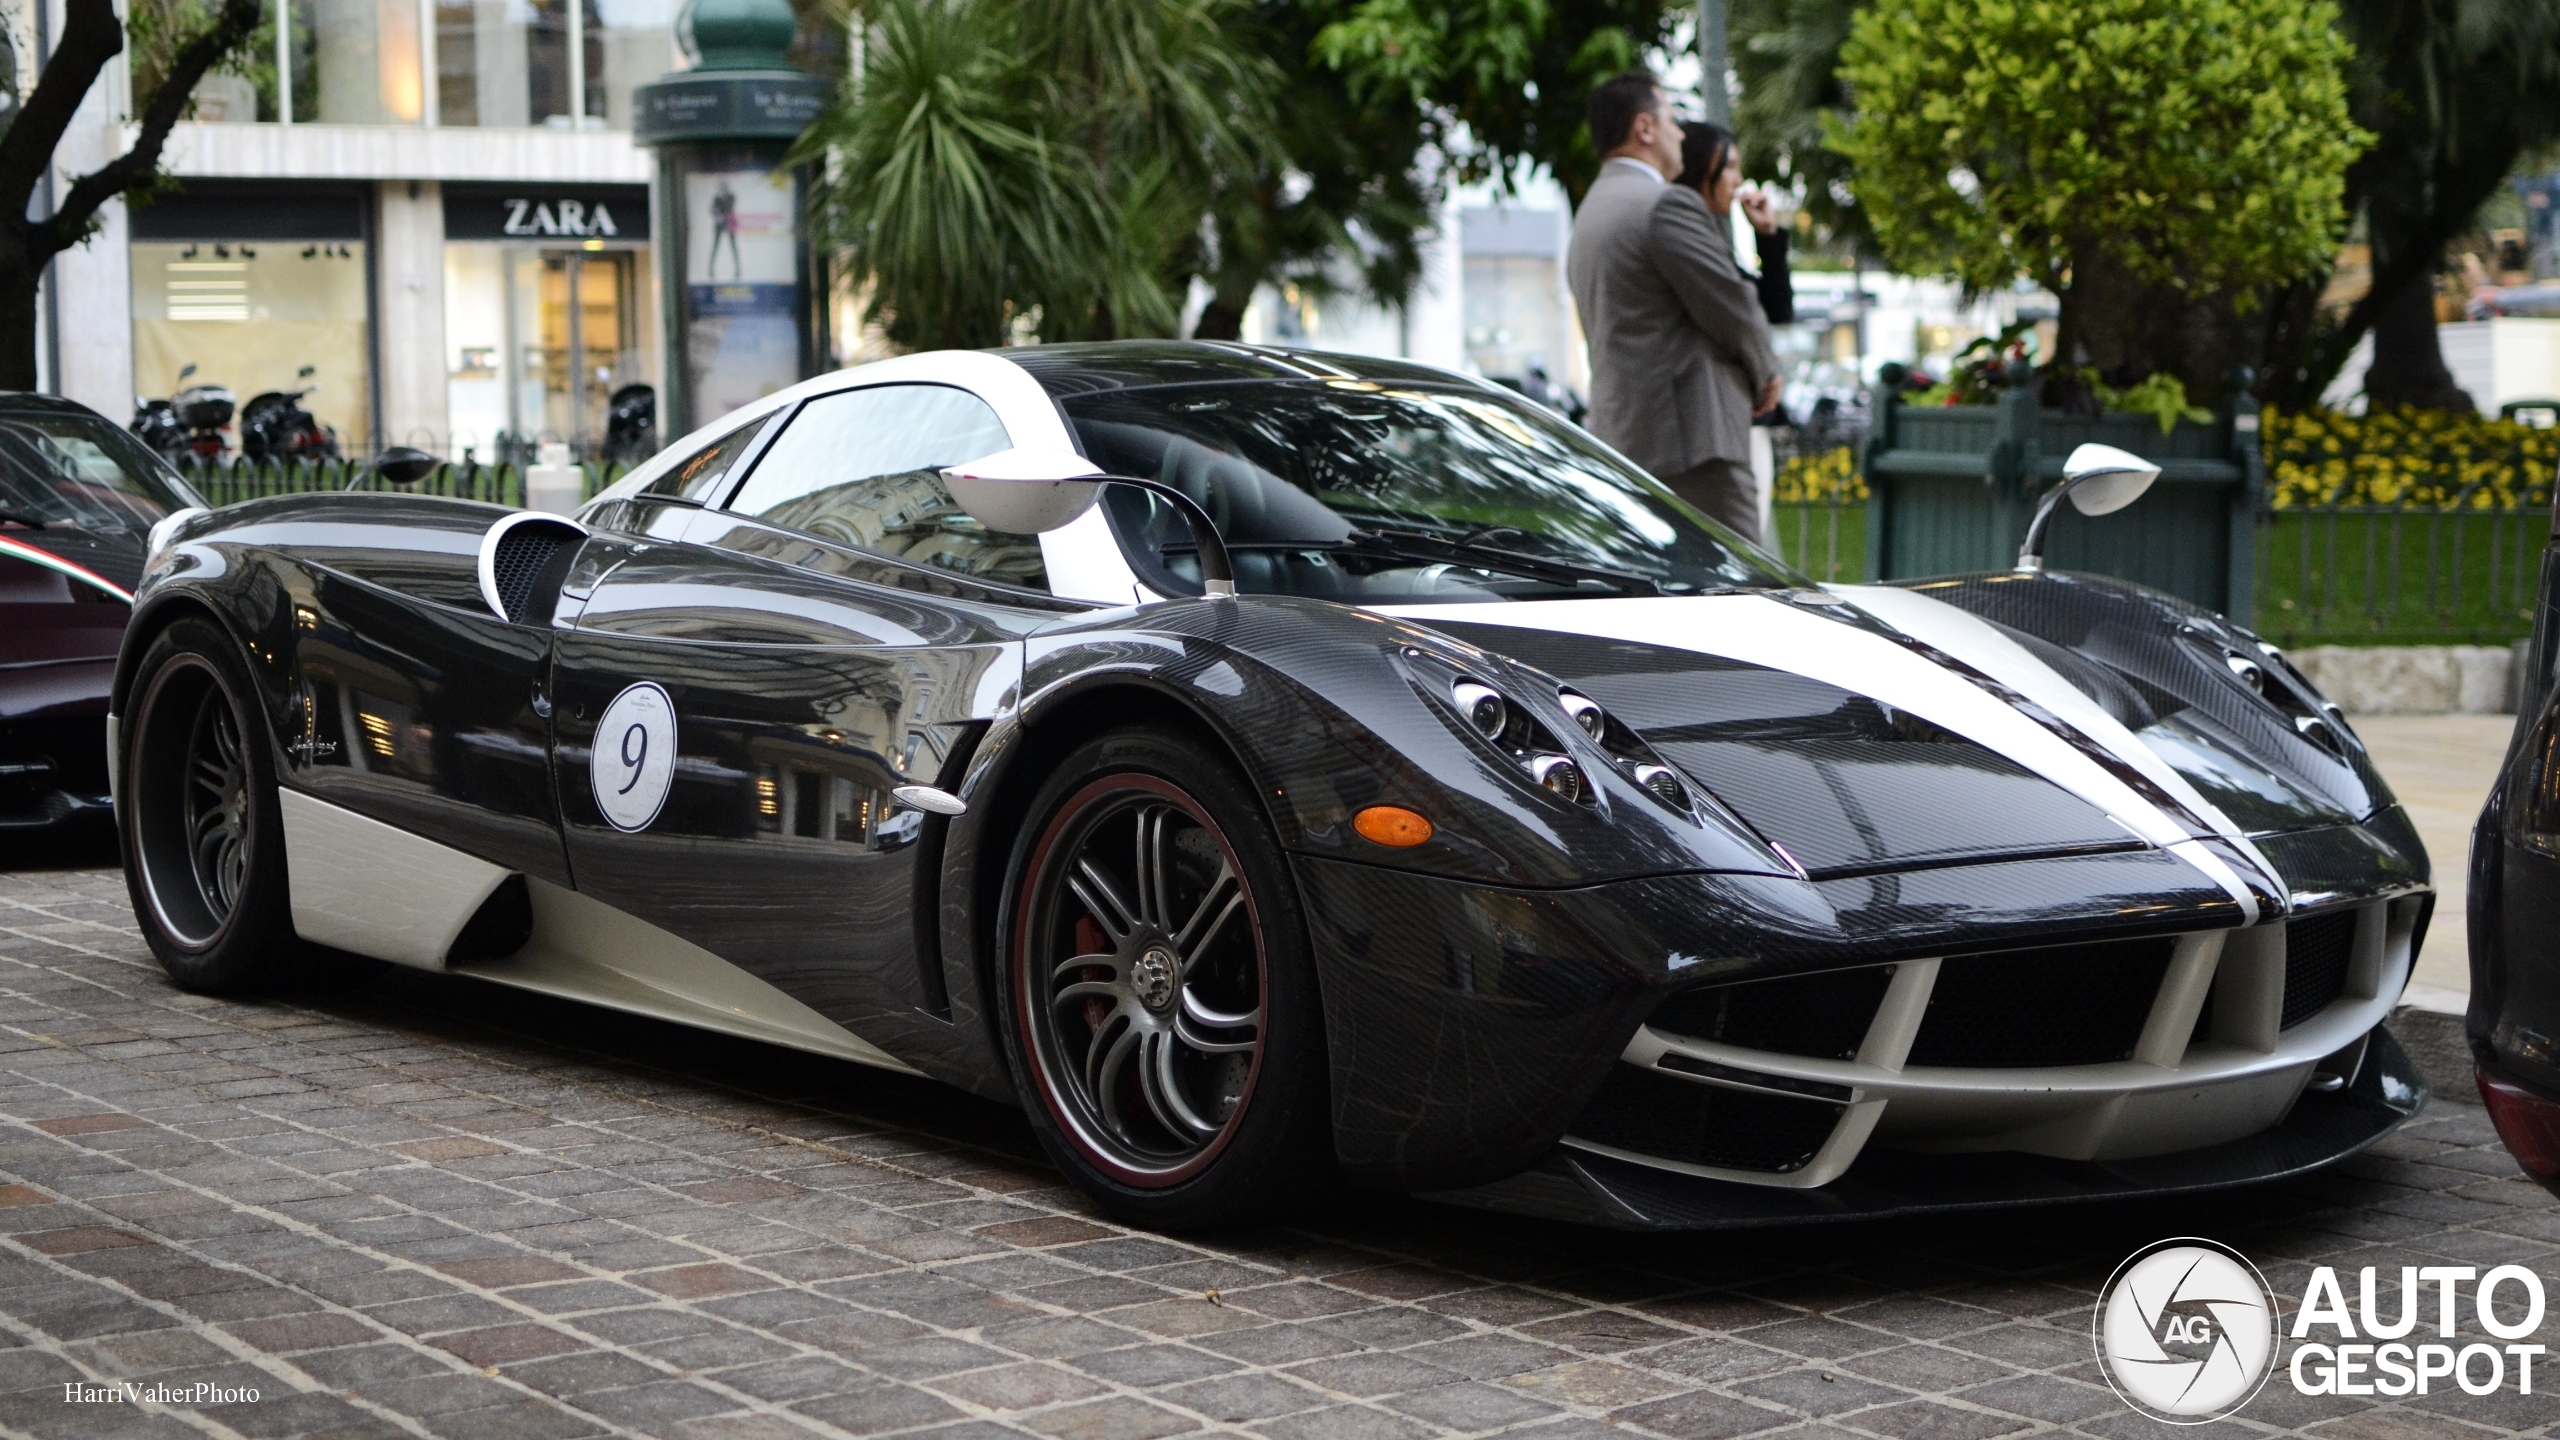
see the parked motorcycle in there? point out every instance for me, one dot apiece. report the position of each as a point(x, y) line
point(275, 426)
point(631, 425)
point(188, 425)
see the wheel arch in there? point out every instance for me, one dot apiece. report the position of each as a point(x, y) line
point(158, 614)
point(1014, 763)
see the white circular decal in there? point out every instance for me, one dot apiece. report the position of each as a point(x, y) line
point(635, 756)
point(2186, 1331)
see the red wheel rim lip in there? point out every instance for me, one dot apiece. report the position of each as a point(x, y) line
point(1026, 1019)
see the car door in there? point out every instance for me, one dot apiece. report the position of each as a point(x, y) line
point(412, 703)
point(734, 711)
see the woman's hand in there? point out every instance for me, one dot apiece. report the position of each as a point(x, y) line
point(1756, 209)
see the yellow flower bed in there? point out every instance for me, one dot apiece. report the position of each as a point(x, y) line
point(1821, 477)
point(2415, 457)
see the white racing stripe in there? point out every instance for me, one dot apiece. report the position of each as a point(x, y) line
point(1777, 635)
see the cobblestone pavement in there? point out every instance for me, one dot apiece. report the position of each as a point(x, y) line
point(400, 1204)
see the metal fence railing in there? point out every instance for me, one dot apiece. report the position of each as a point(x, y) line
point(2442, 565)
point(230, 483)
point(1818, 504)
point(2404, 573)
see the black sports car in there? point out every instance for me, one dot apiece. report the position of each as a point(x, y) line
point(2514, 1018)
point(78, 498)
point(1386, 784)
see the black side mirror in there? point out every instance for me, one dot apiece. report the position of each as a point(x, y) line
point(405, 464)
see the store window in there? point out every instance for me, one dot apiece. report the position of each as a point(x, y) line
point(250, 285)
point(550, 320)
point(515, 62)
point(503, 63)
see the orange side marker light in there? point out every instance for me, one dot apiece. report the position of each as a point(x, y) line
point(1392, 825)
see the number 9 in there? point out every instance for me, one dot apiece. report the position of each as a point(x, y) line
point(631, 761)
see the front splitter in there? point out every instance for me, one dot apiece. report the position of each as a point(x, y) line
point(2321, 1130)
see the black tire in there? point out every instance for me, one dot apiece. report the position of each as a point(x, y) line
point(197, 812)
point(1214, 1112)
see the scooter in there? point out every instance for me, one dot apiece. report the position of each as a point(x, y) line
point(631, 425)
point(275, 426)
point(188, 425)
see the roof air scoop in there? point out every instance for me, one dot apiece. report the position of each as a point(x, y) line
point(516, 556)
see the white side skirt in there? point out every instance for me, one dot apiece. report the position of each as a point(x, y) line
point(376, 889)
point(584, 949)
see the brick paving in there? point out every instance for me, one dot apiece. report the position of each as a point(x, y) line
point(399, 1204)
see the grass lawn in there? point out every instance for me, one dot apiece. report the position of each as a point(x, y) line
point(2408, 579)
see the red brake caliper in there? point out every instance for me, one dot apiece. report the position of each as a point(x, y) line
point(1091, 941)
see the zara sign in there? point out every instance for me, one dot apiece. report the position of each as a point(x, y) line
point(546, 213)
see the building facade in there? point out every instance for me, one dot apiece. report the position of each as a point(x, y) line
point(433, 212)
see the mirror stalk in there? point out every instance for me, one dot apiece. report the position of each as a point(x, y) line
point(1032, 490)
point(2031, 550)
point(1217, 573)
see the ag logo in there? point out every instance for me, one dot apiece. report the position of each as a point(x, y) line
point(2186, 1331)
point(635, 756)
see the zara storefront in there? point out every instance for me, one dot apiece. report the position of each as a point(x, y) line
point(438, 208)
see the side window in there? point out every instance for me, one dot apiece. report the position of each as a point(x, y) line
point(863, 467)
point(697, 477)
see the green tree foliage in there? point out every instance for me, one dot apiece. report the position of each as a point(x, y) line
point(998, 164)
point(1498, 82)
point(1786, 54)
point(2457, 92)
point(2111, 150)
point(1067, 167)
point(1344, 197)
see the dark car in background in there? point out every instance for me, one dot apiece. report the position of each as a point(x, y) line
point(2514, 1018)
point(78, 498)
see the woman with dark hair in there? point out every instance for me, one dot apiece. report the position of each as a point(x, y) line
point(1711, 165)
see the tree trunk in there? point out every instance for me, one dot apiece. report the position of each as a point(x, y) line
point(1219, 320)
point(18, 296)
point(2129, 329)
point(2408, 365)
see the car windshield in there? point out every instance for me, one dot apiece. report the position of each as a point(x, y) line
point(82, 473)
point(1357, 491)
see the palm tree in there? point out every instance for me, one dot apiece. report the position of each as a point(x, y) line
point(996, 166)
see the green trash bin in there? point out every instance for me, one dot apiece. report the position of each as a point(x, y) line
point(1950, 490)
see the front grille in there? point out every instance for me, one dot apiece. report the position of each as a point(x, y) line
point(2317, 952)
point(2060, 1005)
point(1825, 1015)
point(1645, 1112)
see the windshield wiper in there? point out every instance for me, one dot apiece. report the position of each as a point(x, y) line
point(20, 517)
point(1470, 549)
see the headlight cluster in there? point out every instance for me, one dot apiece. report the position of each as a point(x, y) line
point(2271, 677)
point(1513, 730)
point(1516, 729)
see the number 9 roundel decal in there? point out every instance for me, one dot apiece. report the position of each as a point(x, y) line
point(635, 756)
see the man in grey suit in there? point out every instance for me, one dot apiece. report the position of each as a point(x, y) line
point(1680, 353)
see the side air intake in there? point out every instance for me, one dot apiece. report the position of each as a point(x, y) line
point(514, 555)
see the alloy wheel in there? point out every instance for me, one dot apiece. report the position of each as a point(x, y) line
point(1141, 979)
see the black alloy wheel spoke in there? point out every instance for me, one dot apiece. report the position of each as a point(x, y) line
point(1148, 948)
point(217, 805)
